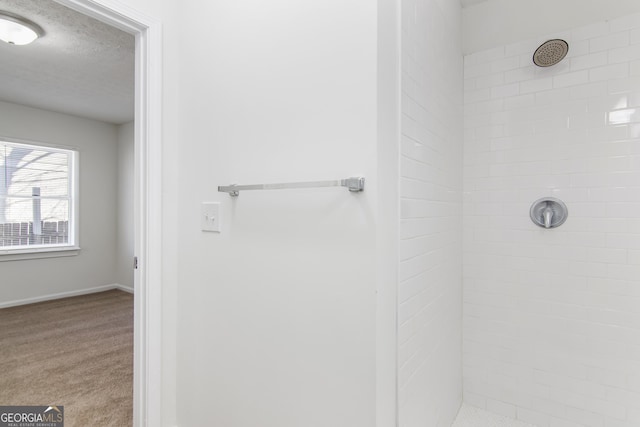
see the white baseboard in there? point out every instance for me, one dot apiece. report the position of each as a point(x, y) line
point(66, 295)
point(124, 288)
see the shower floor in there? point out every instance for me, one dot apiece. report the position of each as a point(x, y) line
point(470, 416)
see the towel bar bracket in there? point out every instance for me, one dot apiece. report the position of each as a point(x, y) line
point(354, 184)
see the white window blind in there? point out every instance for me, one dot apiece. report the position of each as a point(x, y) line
point(36, 196)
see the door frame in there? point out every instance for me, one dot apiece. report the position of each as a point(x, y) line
point(147, 347)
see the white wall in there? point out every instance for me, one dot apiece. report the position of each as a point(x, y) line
point(430, 303)
point(552, 317)
point(125, 238)
point(94, 265)
point(277, 314)
point(501, 22)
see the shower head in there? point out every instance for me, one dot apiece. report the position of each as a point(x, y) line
point(550, 52)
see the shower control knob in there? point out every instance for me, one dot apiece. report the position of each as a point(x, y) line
point(548, 212)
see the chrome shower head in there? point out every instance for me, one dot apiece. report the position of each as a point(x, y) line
point(550, 52)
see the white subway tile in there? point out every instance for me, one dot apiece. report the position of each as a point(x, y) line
point(489, 132)
point(627, 240)
point(504, 91)
point(544, 127)
point(634, 257)
point(624, 85)
point(571, 79)
point(634, 36)
point(490, 80)
point(609, 72)
point(624, 54)
point(521, 101)
point(623, 179)
point(609, 102)
point(584, 417)
point(607, 255)
point(623, 272)
point(619, 117)
point(590, 90)
point(492, 106)
point(477, 70)
point(552, 97)
point(589, 61)
point(578, 47)
point(526, 59)
point(610, 41)
point(477, 95)
point(484, 56)
point(537, 85)
point(608, 134)
point(587, 120)
point(505, 64)
point(520, 74)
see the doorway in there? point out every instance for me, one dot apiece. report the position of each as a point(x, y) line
point(147, 408)
point(146, 196)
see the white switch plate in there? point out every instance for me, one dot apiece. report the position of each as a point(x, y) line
point(210, 216)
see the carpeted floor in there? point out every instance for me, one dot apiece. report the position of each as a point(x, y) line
point(73, 352)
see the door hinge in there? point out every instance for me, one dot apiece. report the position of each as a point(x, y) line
point(135, 262)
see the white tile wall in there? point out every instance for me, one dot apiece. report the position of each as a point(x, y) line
point(430, 300)
point(470, 416)
point(552, 317)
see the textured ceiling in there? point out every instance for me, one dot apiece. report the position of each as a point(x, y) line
point(81, 66)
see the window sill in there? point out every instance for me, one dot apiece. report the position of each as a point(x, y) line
point(39, 253)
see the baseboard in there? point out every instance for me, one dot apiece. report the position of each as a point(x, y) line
point(124, 288)
point(66, 295)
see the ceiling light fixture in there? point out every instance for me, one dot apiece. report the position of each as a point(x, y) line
point(17, 30)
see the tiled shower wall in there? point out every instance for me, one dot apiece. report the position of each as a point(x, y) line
point(552, 317)
point(430, 318)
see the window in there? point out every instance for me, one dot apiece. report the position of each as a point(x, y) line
point(37, 198)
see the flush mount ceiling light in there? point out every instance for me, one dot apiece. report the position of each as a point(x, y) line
point(17, 30)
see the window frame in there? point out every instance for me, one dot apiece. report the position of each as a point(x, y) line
point(72, 247)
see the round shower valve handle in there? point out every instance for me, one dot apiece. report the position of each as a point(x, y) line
point(548, 212)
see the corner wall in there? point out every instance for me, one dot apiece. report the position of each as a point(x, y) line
point(94, 265)
point(430, 301)
point(552, 317)
point(387, 242)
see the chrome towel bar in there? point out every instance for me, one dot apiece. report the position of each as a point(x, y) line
point(354, 184)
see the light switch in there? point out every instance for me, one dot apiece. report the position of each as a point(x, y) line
point(210, 218)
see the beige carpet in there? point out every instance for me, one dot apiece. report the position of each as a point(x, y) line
point(74, 352)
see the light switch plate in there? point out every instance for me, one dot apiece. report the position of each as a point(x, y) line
point(210, 216)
